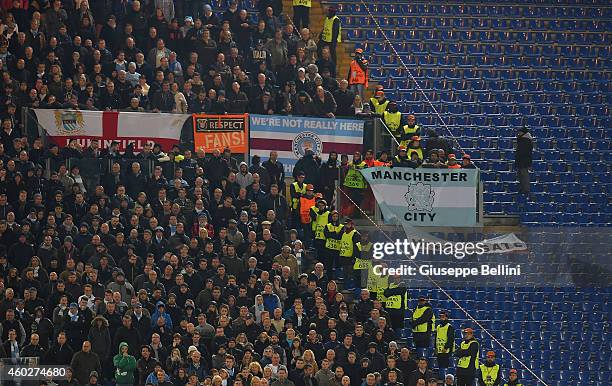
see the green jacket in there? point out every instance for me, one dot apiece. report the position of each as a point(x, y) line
point(125, 366)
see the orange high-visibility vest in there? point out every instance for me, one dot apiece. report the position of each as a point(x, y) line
point(358, 75)
point(305, 205)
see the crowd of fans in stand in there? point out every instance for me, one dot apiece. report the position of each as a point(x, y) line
point(153, 56)
point(206, 274)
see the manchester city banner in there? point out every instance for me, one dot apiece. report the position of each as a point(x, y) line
point(290, 137)
point(425, 197)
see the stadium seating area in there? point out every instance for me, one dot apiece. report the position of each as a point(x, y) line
point(490, 68)
point(562, 334)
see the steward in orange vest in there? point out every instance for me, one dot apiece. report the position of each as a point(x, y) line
point(306, 202)
point(358, 70)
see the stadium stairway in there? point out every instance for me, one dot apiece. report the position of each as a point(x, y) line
point(491, 68)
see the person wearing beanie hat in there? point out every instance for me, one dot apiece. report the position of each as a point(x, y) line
point(452, 162)
point(513, 379)
point(445, 343)
point(490, 372)
point(423, 323)
point(379, 103)
point(467, 364)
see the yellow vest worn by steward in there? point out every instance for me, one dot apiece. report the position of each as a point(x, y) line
point(319, 223)
point(346, 244)
point(411, 131)
point(354, 179)
point(302, 190)
point(328, 25)
point(303, 3)
point(379, 108)
point(330, 243)
point(464, 362)
point(365, 261)
point(489, 374)
point(442, 339)
point(393, 120)
point(377, 284)
point(423, 327)
point(418, 150)
point(396, 302)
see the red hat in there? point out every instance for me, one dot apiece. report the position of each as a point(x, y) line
point(310, 187)
point(451, 156)
point(491, 353)
point(415, 138)
point(402, 148)
point(319, 195)
point(468, 330)
point(358, 51)
point(379, 93)
point(513, 371)
point(467, 156)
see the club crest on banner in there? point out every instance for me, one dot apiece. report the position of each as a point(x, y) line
point(420, 197)
point(69, 122)
point(307, 140)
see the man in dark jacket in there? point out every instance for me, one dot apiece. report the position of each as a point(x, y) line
point(324, 104)
point(60, 352)
point(135, 181)
point(84, 362)
point(434, 141)
point(128, 334)
point(344, 99)
point(163, 100)
point(309, 166)
point(524, 158)
point(422, 372)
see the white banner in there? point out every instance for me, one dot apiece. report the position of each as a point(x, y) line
point(108, 126)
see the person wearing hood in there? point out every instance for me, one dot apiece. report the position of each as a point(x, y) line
point(160, 312)
point(523, 159)
point(303, 105)
point(100, 338)
point(423, 322)
point(512, 379)
point(121, 285)
point(489, 373)
point(445, 343)
point(125, 366)
point(244, 178)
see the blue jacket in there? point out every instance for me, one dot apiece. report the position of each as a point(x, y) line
point(271, 302)
point(157, 314)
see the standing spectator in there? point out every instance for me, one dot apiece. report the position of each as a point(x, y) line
point(84, 362)
point(125, 365)
point(524, 159)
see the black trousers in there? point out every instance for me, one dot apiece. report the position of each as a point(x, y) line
point(463, 380)
point(301, 17)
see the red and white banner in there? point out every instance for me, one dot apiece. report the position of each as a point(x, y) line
point(108, 126)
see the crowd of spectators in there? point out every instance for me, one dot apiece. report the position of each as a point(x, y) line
point(204, 272)
point(157, 56)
